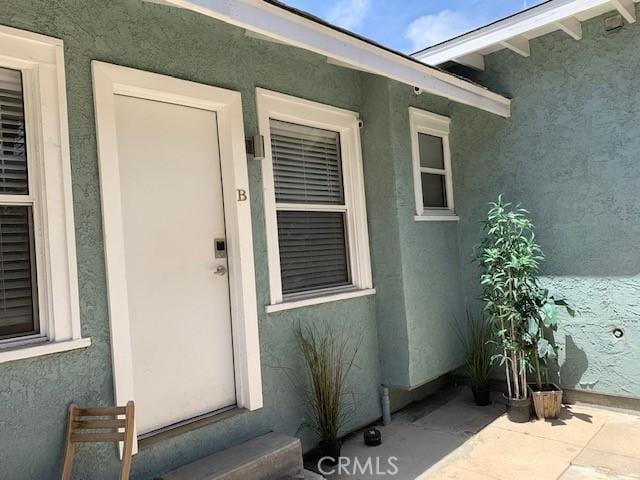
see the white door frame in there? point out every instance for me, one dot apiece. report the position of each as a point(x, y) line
point(110, 80)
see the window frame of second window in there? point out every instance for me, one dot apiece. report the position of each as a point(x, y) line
point(424, 122)
point(278, 106)
point(40, 60)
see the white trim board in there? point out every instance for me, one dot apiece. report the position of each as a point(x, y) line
point(422, 121)
point(269, 21)
point(40, 60)
point(110, 80)
point(518, 29)
point(278, 106)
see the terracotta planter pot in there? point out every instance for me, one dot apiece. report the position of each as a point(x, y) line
point(518, 410)
point(547, 402)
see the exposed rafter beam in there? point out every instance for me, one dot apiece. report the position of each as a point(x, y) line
point(571, 27)
point(626, 8)
point(519, 45)
point(472, 60)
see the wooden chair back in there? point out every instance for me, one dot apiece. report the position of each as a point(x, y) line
point(83, 426)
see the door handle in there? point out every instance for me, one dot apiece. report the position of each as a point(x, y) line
point(220, 270)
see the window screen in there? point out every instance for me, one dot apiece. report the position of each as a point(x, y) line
point(18, 312)
point(313, 242)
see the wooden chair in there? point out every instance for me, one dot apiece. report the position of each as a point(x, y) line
point(83, 427)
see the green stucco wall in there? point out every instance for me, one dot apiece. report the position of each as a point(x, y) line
point(34, 394)
point(413, 318)
point(570, 155)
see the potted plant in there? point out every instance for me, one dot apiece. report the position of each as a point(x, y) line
point(515, 303)
point(477, 358)
point(328, 359)
point(547, 396)
point(508, 260)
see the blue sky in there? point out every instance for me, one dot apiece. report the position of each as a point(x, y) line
point(409, 25)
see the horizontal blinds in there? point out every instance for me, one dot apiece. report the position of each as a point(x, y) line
point(313, 250)
point(17, 268)
point(306, 164)
point(13, 155)
point(17, 306)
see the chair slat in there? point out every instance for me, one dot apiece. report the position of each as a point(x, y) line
point(79, 430)
point(100, 411)
point(97, 437)
point(98, 423)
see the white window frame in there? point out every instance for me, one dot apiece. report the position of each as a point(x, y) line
point(278, 106)
point(436, 125)
point(40, 59)
point(111, 80)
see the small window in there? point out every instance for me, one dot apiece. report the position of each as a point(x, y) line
point(432, 166)
point(18, 301)
point(314, 200)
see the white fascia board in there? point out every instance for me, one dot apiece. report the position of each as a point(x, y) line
point(274, 22)
point(508, 28)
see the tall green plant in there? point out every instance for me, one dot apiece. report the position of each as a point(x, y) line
point(329, 359)
point(520, 310)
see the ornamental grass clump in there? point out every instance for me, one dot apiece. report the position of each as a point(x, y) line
point(328, 358)
point(478, 352)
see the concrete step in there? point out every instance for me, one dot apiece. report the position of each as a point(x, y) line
point(303, 475)
point(268, 457)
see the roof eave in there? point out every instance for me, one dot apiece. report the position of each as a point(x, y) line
point(557, 13)
point(281, 25)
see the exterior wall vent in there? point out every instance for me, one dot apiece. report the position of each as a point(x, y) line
point(613, 23)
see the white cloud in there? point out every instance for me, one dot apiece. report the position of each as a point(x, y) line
point(431, 29)
point(349, 14)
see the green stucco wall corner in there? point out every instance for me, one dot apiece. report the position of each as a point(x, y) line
point(569, 154)
point(416, 264)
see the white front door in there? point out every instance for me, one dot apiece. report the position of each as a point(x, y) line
point(178, 291)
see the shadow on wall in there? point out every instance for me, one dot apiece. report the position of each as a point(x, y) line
point(575, 364)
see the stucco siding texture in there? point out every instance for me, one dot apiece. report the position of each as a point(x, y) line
point(34, 394)
point(430, 258)
point(569, 154)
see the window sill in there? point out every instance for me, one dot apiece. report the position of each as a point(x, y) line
point(437, 217)
point(20, 352)
point(306, 302)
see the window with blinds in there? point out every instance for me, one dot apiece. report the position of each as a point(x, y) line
point(18, 305)
point(310, 205)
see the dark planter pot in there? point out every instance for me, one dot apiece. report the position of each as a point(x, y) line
point(330, 451)
point(481, 395)
point(518, 410)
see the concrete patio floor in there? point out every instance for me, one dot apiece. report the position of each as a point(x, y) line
point(458, 440)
